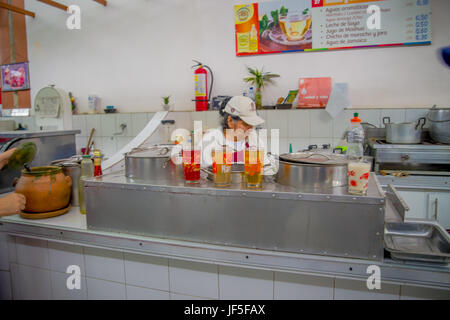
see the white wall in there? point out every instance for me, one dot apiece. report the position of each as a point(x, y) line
point(133, 52)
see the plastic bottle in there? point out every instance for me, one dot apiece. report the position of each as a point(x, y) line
point(87, 171)
point(97, 163)
point(355, 139)
point(251, 93)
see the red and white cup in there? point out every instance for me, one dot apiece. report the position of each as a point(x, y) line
point(358, 177)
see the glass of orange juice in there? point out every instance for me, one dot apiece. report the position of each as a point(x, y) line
point(254, 161)
point(222, 159)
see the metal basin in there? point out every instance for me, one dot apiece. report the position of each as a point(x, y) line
point(420, 241)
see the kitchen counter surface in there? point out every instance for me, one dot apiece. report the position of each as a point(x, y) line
point(72, 228)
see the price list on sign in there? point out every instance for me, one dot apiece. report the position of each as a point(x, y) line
point(317, 25)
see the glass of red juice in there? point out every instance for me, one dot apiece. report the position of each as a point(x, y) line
point(191, 164)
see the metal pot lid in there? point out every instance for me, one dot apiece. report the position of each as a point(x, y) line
point(315, 158)
point(439, 114)
point(152, 152)
point(68, 164)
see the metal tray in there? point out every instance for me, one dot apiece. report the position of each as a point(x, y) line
point(422, 241)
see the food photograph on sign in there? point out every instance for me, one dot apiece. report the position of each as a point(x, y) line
point(285, 25)
point(15, 77)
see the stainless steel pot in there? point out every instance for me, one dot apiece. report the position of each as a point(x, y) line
point(312, 172)
point(440, 124)
point(72, 168)
point(404, 133)
point(152, 164)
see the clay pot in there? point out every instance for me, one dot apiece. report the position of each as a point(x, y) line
point(46, 189)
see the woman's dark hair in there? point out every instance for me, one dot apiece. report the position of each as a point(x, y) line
point(224, 115)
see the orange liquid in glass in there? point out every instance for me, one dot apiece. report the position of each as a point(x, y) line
point(253, 168)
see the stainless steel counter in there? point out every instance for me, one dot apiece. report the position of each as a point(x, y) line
point(329, 222)
point(71, 228)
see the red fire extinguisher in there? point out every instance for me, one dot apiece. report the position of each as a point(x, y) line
point(201, 86)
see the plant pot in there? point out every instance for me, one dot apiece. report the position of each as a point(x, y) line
point(46, 189)
point(258, 99)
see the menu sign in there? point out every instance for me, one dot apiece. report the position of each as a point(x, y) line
point(316, 25)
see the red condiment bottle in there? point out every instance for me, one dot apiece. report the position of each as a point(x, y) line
point(97, 163)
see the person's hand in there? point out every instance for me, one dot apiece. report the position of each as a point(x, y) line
point(4, 157)
point(12, 204)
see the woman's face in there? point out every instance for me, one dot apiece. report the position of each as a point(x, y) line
point(240, 128)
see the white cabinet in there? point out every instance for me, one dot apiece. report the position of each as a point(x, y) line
point(439, 208)
point(417, 202)
point(428, 205)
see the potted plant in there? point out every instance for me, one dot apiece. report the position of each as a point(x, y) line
point(259, 79)
point(166, 102)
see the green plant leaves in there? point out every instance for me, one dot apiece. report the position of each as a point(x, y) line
point(260, 78)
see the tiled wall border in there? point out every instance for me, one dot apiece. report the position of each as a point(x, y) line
point(133, 276)
point(300, 128)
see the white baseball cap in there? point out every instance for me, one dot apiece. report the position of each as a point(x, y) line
point(244, 108)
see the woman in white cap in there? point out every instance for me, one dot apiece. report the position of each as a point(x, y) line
point(238, 119)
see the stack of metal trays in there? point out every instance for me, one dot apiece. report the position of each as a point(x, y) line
point(421, 241)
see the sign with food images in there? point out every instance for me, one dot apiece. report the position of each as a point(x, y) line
point(317, 25)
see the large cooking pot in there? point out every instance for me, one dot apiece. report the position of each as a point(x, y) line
point(46, 189)
point(152, 164)
point(312, 172)
point(72, 168)
point(440, 124)
point(404, 133)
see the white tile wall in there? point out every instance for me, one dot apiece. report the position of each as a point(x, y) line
point(212, 119)
point(122, 142)
point(357, 289)
point(412, 115)
point(138, 293)
point(32, 252)
point(192, 278)
point(299, 122)
point(60, 290)
point(105, 290)
point(109, 276)
point(278, 120)
point(108, 145)
point(64, 255)
point(94, 121)
point(4, 256)
point(126, 119)
point(30, 283)
point(108, 125)
point(139, 121)
point(321, 124)
point(79, 123)
point(15, 285)
point(177, 296)
point(96, 259)
point(299, 144)
point(146, 271)
point(293, 124)
point(12, 250)
point(420, 293)
point(290, 286)
point(396, 115)
point(5, 285)
point(239, 283)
